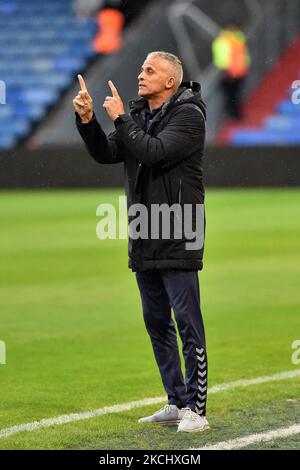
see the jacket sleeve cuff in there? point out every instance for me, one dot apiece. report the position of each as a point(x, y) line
point(122, 119)
point(79, 123)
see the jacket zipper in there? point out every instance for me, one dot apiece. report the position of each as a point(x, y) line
point(179, 194)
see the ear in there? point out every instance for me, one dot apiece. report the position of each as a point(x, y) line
point(170, 83)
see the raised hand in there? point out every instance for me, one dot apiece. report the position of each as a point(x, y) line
point(83, 103)
point(113, 105)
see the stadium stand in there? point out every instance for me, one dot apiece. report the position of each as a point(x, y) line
point(187, 29)
point(52, 153)
point(42, 46)
point(41, 58)
point(270, 115)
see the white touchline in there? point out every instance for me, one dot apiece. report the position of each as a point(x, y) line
point(257, 380)
point(64, 419)
point(241, 442)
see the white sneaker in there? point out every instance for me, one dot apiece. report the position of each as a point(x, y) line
point(192, 422)
point(168, 415)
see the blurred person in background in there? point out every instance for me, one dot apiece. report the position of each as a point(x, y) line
point(231, 56)
point(111, 21)
point(161, 143)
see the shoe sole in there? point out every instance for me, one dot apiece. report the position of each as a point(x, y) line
point(169, 423)
point(162, 423)
point(205, 428)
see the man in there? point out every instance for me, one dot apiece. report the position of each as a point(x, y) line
point(161, 145)
point(231, 56)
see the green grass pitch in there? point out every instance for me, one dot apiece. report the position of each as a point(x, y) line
point(70, 316)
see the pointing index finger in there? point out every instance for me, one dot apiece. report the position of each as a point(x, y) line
point(113, 89)
point(82, 83)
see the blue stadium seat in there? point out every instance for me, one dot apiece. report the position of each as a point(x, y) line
point(36, 71)
point(262, 138)
point(281, 128)
point(6, 112)
point(69, 63)
point(7, 141)
point(17, 127)
point(282, 122)
point(287, 107)
point(41, 96)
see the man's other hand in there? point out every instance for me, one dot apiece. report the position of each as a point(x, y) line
point(113, 105)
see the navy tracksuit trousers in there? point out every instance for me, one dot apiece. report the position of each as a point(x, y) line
point(160, 291)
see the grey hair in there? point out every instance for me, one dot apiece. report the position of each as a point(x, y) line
point(174, 61)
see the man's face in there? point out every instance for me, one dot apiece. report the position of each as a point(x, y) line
point(154, 77)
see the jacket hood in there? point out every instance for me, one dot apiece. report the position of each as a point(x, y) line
point(188, 92)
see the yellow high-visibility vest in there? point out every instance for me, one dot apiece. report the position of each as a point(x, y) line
point(230, 53)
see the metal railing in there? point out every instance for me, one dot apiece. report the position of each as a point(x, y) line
point(269, 26)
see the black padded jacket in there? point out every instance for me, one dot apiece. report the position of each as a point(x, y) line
point(162, 165)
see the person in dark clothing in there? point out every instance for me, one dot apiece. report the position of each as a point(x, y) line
point(161, 144)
